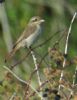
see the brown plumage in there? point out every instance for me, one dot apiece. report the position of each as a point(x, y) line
point(29, 35)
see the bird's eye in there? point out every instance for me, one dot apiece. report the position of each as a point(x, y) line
point(34, 20)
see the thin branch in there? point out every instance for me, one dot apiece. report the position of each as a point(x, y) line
point(66, 45)
point(74, 76)
point(69, 31)
point(13, 95)
point(22, 81)
point(69, 89)
point(36, 67)
point(42, 85)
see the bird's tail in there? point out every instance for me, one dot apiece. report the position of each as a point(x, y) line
point(11, 54)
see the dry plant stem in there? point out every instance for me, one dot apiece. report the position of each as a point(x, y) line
point(66, 45)
point(35, 70)
point(36, 67)
point(71, 94)
point(22, 81)
point(13, 95)
point(74, 77)
point(70, 90)
point(42, 85)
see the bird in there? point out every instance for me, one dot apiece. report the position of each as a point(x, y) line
point(28, 37)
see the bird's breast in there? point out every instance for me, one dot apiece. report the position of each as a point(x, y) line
point(33, 37)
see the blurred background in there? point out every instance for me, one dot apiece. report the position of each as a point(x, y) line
point(14, 16)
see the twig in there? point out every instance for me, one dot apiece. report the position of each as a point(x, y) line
point(69, 89)
point(66, 45)
point(42, 85)
point(74, 76)
point(35, 70)
point(13, 95)
point(22, 81)
point(36, 67)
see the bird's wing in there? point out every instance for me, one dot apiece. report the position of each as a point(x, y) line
point(29, 30)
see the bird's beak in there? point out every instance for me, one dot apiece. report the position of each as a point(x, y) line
point(42, 20)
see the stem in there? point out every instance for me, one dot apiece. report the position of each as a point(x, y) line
point(13, 95)
point(66, 46)
point(19, 79)
point(36, 67)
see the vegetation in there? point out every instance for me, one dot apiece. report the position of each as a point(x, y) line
point(49, 70)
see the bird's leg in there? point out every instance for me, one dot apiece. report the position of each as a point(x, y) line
point(30, 48)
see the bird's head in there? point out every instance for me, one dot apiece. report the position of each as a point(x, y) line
point(36, 20)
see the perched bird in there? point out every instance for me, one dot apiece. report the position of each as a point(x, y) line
point(29, 35)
